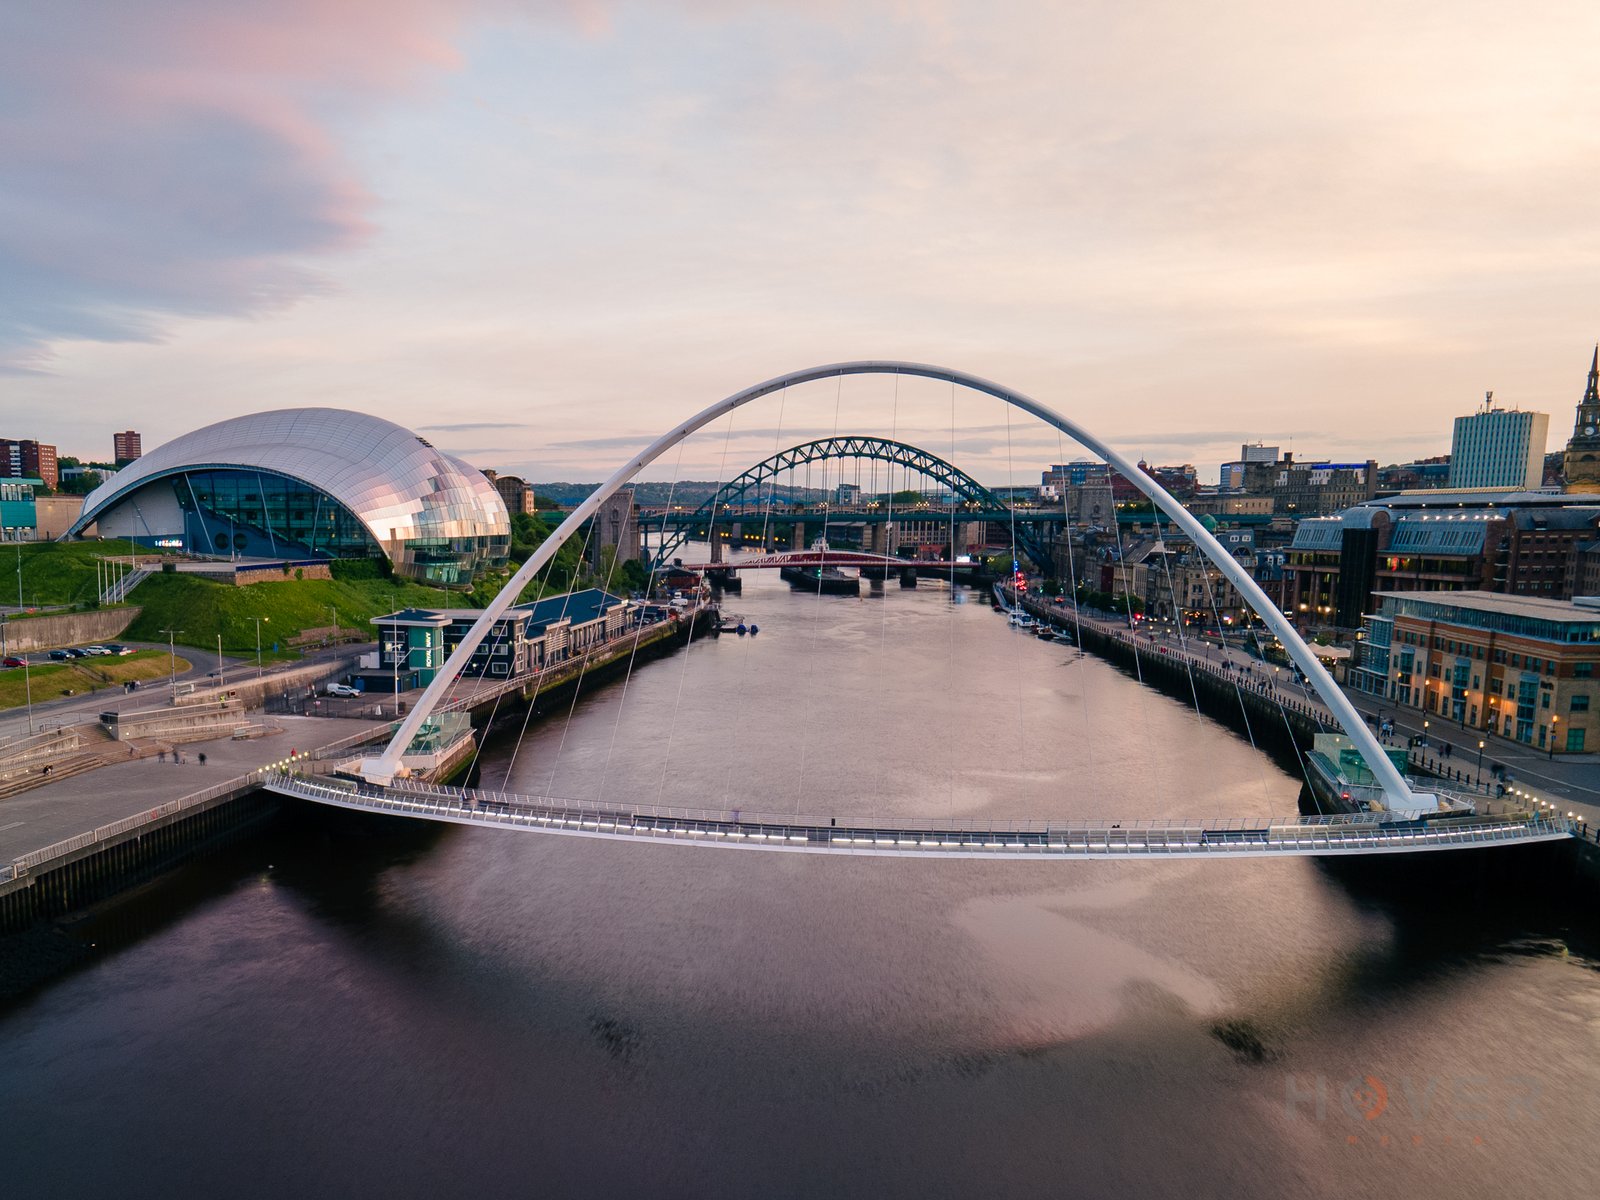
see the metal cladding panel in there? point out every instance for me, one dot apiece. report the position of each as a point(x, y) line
point(401, 488)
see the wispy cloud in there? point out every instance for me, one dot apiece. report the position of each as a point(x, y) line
point(473, 426)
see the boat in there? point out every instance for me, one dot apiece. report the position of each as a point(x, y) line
point(754, 628)
point(741, 629)
point(1061, 635)
point(824, 580)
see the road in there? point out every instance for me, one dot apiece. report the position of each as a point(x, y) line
point(14, 722)
point(1570, 779)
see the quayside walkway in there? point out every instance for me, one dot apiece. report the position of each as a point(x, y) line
point(1343, 834)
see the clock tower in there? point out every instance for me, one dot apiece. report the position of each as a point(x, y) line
point(1581, 464)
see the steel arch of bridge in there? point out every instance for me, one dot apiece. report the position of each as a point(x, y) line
point(968, 490)
point(1397, 792)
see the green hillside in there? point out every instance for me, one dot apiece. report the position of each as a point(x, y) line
point(202, 609)
point(56, 572)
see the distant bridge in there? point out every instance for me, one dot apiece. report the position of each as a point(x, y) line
point(749, 496)
point(814, 559)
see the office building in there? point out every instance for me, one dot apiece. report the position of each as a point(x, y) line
point(127, 447)
point(514, 490)
point(27, 459)
point(1499, 448)
point(1518, 666)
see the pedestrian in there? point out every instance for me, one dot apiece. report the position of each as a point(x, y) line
point(202, 758)
point(161, 756)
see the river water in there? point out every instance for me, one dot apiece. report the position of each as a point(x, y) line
point(357, 1006)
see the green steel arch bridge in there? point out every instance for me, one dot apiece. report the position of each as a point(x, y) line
point(749, 497)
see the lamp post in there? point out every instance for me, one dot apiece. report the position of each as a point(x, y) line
point(258, 621)
point(27, 687)
point(333, 620)
point(1555, 722)
point(219, 658)
point(1480, 760)
point(172, 656)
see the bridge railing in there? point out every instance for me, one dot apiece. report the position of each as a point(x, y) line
point(23, 864)
point(1336, 823)
point(1067, 838)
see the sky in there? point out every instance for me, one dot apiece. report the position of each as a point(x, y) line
point(540, 232)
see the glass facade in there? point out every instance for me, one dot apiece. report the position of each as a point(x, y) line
point(305, 483)
point(252, 513)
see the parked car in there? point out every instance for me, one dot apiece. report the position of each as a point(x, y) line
point(341, 689)
point(61, 655)
point(77, 652)
point(12, 662)
point(97, 651)
point(118, 648)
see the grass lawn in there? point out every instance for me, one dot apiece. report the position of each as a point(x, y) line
point(202, 608)
point(57, 572)
point(52, 680)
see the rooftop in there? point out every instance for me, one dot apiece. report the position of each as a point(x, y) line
point(1535, 607)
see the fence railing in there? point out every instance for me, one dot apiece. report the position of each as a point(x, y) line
point(26, 863)
point(1341, 828)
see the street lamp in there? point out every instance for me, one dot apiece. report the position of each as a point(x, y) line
point(27, 687)
point(1555, 721)
point(172, 655)
point(1480, 760)
point(258, 621)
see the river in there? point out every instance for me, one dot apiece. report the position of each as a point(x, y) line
point(357, 1006)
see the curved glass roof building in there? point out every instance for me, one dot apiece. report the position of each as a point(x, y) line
point(308, 483)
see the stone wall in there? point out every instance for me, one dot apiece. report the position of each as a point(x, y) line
point(68, 629)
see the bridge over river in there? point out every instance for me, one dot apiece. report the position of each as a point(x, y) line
point(1339, 834)
point(1399, 819)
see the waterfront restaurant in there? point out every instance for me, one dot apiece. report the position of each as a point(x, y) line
point(1523, 667)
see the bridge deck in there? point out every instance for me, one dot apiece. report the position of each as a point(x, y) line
point(1362, 833)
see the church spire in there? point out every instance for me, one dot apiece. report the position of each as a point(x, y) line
point(1591, 394)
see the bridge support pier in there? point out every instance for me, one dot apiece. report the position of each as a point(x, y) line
point(716, 544)
point(797, 536)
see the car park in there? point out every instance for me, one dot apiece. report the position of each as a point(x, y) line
point(341, 689)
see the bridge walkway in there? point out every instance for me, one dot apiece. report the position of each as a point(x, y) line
point(1343, 834)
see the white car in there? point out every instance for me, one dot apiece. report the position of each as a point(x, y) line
point(96, 650)
point(341, 689)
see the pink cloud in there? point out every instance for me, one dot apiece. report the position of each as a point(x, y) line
point(176, 156)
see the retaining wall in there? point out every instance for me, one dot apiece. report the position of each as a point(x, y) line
point(68, 629)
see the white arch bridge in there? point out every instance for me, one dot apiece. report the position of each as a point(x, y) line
point(1408, 821)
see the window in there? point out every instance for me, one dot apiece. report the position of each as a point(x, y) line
point(1574, 740)
point(1583, 670)
point(1580, 703)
